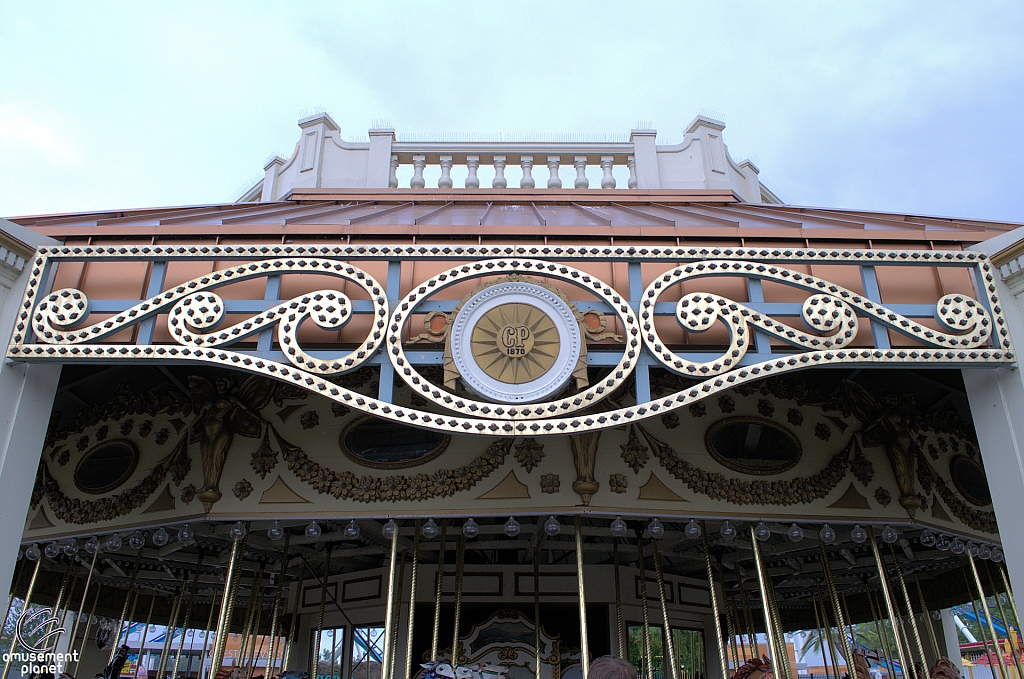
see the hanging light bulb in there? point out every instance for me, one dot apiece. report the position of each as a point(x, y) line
point(618, 528)
point(827, 534)
point(187, 536)
point(984, 552)
point(429, 530)
point(655, 529)
point(997, 554)
point(32, 552)
point(512, 527)
point(352, 531)
point(160, 537)
point(927, 539)
point(692, 530)
point(92, 545)
point(942, 543)
point(889, 535)
point(137, 540)
point(237, 531)
point(727, 531)
point(313, 530)
point(936, 615)
point(471, 528)
point(275, 532)
point(762, 532)
point(972, 549)
point(71, 547)
point(957, 546)
point(552, 527)
point(114, 543)
point(389, 530)
point(52, 550)
point(795, 533)
point(858, 534)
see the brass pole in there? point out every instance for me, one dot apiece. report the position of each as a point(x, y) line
point(227, 604)
point(398, 613)
point(910, 608)
point(1002, 613)
point(1009, 596)
point(145, 632)
point(124, 609)
point(988, 617)
point(286, 655)
point(208, 637)
point(188, 618)
point(830, 585)
point(323, 604)
point(438, 585)
point(389, 611)
point(883, 632)
point(88, 624)
point(645, 647)
point(908, 669)
point(81, 606)
point(60, 605)
point(255, 633)
point(618, 603)
point(536, 611)
point(670, 655)
point(250, 614)
point(584, 641)
point(28, 601)
point(722, 654)
point(780, 635)
point(276, 613)
point(460, 565)
point(257, 618)
point(847, 619)
point(18, 573)
point(826, 649)
point(413, 578)
point(833, 647)
point(769, 628)
point(172, 624)
point(730, 621)
point(748, 616)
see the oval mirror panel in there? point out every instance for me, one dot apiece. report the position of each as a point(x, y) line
point(752, 446)
point(969, 478)
point(106, 466)
point(385, 445)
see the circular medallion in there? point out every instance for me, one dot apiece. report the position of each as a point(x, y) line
point(515, 342)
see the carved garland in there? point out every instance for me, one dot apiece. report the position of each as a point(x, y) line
point(781, 492)
point(974, 518)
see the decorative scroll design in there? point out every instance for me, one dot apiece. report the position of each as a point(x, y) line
point(970, 335)
point(779, 492)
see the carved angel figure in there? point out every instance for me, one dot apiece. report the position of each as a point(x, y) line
point(889, 423)
point(221, 413)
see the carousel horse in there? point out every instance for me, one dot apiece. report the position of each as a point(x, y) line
point(944, 669)
point(611, 667)
point(443, 670)
point(860, 664)
point(755, 668)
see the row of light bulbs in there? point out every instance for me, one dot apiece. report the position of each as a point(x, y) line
point(957, 546)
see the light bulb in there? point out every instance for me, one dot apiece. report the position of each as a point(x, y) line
point(858, 534)
point(957, 546)
point(972, 549)
point(984, 552)
point(160, 537)
point(727, 532)
point(889, 535)
point(827, 534)
point(352, 531)
point(313, 530)
point(71, 547)
point(936, 615)
point(761, 531)
point(237, 531)
point(552, 527)
point(187, 536)
point(470, 529)
point(137, 540)
point(942, 543)
point(32, 552)
point(275, 532)
point(52, 550)
point(997, 554)
point(92, 545)
point(655, 529)
point(20, 554)
point(429, 530)
point(114, 543)
point(618, 528)
point(795, 533)
point(927, 539)
point(512, 527)
point(389, 530)
point(692, 530)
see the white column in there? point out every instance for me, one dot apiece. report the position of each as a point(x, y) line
point(631, 164)
point(526, 162)
point(417, 181)
point(473, 163)
point(270, 175)
point(445, 180)
point(379, 160)
point(646, 153)
point(499, 181)
point(393, 174)
point(951, 640)
point(607, 181)
point(554, 182)
point(580, 163)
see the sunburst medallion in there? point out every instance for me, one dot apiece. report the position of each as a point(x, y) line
point(515, 343)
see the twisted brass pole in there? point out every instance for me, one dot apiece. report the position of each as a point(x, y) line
point(536, 611)
point(188, 617)
point(669, 642)
point(780, 634)
point(769, 628)
point(28, 601)
point(722, 653)
point(1009, 630)
point(932, 639)
point(584, 641)
point(1009, 595)
point(171, 625)
point(413, 578)
point(910, 608)
point(748, 616)
point(323, 604)
point(438, 585)
point(60, 605)
point(988, 617)
point(124, 609)
point(398, 612)
point(908, 669)
point(830, 585)
point(208, 636)
point(85, 632)
point(286, 655)
point(646, 646)
point(227, 603)
point(81, 606)
point(276, 613)
point(460, 565)
point(618, 603)
point(145, 631)
point(826, 648)
point(883, 633)
point(250, 614)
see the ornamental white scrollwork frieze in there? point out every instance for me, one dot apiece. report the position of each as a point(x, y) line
point(55, 325)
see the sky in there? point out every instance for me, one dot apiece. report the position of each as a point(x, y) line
point(901, 106)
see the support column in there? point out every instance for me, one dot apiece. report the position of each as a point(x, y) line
point(607, 181)
point(379, 162)
point(581, 182)
point(951, 639)
point(445, 180)
point(472, 164)
point(527, 182)
point(645, 154)
point(499, 181)
point(554, 181)
point(417, 181)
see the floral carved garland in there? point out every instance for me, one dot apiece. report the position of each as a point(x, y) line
point(396, 488)
point(782, 492)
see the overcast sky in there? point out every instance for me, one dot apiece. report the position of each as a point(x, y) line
point(910, 107)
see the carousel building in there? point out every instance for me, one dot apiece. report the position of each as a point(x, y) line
point(360, 430)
